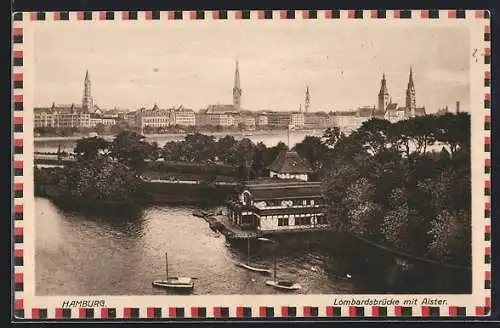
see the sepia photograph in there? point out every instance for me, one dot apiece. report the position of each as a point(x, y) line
point(264, 158)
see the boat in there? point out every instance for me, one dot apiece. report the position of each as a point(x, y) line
point(282, 283)
point(247, 265)
point(178, 283)
point(254, 268)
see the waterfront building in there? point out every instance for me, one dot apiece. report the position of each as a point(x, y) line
point(261, 120)
point(95, 119)
point(215, 118)
point(277, 119)
point(131, 118)
point(153, 118)
point(349, 121)
point(297, 120)
point(316, 121)
point(183, 117)
point(248, 121)
point(285, 201)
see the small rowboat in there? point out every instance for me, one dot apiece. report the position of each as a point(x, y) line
point(181, 283)
point(247, 265)
point(283, 284)
point(256, 269)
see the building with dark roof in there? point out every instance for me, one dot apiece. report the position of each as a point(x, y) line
point(289, 165)
point(284, 201)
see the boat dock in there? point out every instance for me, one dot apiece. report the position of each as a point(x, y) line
point(232, 232)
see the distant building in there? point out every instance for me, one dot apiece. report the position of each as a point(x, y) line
point(394, 113)
point(261, 120)
point(247, 120)
point(153, 118)
point(277, 119)
point(316, 120)
point(289, 165)
point(297, 120)
point(443, 111)
point(215, 118)
point(349, 121)
point(183, 117)
point(285, 201)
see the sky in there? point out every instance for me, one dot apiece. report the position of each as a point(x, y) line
point(191, 63)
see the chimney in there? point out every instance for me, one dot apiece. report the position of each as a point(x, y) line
point(458, 107)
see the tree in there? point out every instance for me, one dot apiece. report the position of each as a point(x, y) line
point(331, 136)
point(394, 228)
point(130, 149)
point(244, 154)
point(199, 148)
point(451, 130)
point(155, 151)
point(172, 151)
point(224, 148)
point(99, 179)
point(361, 210)
point(374, 135)
point(313, 150)
point(89, 148)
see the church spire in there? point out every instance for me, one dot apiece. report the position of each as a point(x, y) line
point(411, 102)
point(87, 101)
point(383, 95)
point(308, 100)
point(237, 89)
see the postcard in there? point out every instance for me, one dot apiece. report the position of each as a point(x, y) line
point(309, 164)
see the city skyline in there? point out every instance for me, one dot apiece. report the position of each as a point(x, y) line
point(132, 84)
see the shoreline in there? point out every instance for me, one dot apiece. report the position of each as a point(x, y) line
point(273, 132)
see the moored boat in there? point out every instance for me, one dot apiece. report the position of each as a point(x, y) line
point(283, 284)
point(255, 268)
point(178, 283)
point(183, 283)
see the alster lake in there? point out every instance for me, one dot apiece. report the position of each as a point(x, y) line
point(121, 253)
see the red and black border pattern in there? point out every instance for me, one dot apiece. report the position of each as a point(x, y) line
point(222, 312)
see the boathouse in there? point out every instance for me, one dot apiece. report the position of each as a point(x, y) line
point(285, 201)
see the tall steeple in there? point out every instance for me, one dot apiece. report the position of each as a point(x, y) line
point(411, 102)
point(237, 89)
point(87, 101)
point(308, 100)
point(383, 95)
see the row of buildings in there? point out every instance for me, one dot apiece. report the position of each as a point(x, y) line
point(89, 115)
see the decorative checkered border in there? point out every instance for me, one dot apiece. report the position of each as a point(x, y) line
point(240, 311)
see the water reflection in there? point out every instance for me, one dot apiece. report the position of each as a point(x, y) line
point(89, 253)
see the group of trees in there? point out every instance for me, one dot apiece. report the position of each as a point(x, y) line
point(405, 184)
point(104, 171)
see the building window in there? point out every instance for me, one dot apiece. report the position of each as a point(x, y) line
point(282, 222)
point(303, 221)
point(312, 201)
point(321, 220)
point(304, 202)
